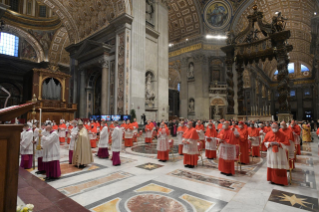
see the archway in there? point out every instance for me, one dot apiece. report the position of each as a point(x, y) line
point(217, 108)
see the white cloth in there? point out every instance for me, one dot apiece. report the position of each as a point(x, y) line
point(296, 138)
point(26, 147)
point(191, 148)
point(254, 141)
point(74, 132)
point(162, 142)
point(276, 160)
point(51, 147)
point(62, 132)
point(104, 137)
point(212, 144)
point(149, 134)
point(117, 137)
point(227, 151)
point(180, 137)
point(201, 134)
point(262, 135)
point(128, 134)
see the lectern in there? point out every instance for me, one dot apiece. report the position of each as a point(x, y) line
point(9, 155)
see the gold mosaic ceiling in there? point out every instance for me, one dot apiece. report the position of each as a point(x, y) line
point(299, 14)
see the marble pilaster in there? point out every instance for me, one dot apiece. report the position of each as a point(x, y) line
point(82, 99)
point(105, 86)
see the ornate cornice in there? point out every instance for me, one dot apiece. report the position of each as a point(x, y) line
point(31, 22)
point(56, 73)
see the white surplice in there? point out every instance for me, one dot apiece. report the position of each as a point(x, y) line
point(104, 138)
point(276, 160)
point(26, 147)
point(117, 137)
point(51, 147)
point(74, 132)
point(162, 141)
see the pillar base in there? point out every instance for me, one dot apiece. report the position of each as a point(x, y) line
point(284, 117)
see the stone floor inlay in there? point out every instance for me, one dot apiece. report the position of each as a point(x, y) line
point(177, 200)
point(89, 185)
point(150, 166)
point(304, 177)
point(208, 180)
point(294, 200)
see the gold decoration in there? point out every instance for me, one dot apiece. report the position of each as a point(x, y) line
point(54, 68)
point(293, 200)
point(149, 166)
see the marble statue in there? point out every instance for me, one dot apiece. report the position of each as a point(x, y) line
point(149, 11)
point(149, 93)
point(190, 70)
point(191, 106)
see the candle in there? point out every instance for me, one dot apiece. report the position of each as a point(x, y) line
point(40, 123)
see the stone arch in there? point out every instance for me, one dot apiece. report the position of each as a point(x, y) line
point(221, 101)
point(174, 78)
point(57, 44)
point(28, 37)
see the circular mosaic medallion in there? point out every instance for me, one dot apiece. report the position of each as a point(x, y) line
point(154, 203)
point(217, 14)
point(150, 148)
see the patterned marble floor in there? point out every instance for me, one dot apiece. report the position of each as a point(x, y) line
point(142, 183)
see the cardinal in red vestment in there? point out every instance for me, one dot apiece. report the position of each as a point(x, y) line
point(227, 150)
point(135, 130)
point(180, 131)
point(69, 133)
point(190, 148)
point(200, 129)
point(243, 143)
point(92, 135)
point(162, 143)
point(128, 137)
point(291, 147)
point(277, 163)
point(211, 141)
point(253, 136)
point(262, 133)
point(149, 132)
point(296, 132)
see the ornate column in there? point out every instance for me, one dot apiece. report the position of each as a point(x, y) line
point(105, 91)
point(229, 50)
point(83, 100)
point(240, 88)
point(183, 92)
point(281, 49)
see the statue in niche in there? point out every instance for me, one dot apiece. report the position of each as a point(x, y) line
point(190, 73)
point(149, 93)
point(191, 106)
point(149, 11)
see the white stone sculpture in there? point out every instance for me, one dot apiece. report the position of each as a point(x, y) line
point(149, 93)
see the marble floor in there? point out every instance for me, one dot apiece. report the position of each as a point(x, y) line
point(143, 184)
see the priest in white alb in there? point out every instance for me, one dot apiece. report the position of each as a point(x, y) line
point(26, 148)
point(73, 133)
point(117, 138)
point(104, 141)
point(51, 154)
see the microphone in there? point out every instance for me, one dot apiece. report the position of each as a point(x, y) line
point(2, 88)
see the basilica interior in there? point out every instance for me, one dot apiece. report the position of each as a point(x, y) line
point(164, 60)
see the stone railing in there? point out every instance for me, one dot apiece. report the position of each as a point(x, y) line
point(218, 88)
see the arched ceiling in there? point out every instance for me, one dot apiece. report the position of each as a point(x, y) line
point(82, 18)
point(184, 19)
point(299, 14)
